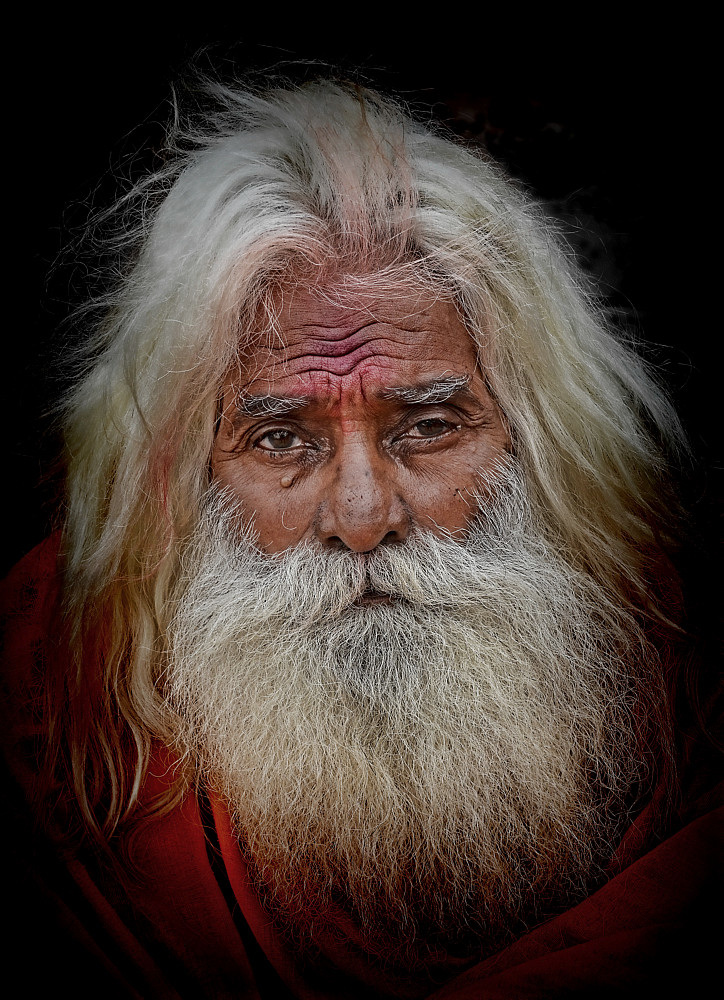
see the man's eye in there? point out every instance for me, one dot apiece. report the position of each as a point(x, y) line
point(432, 427)
point(279, 440)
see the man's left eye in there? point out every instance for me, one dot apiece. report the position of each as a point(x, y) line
point(432, 427)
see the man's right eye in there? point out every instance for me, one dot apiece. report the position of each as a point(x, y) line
point(278, 440)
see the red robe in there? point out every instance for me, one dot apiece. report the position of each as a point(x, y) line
point(192, 926)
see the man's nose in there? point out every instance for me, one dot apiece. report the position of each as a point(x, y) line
point(363, 508)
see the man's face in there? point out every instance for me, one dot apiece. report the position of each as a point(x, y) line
point(438, 736)
point(364, 420)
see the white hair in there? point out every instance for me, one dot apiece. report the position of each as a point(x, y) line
point(329, 185)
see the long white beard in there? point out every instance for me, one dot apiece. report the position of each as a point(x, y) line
point(446, 768)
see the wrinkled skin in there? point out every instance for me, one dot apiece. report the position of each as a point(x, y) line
point(349, 462)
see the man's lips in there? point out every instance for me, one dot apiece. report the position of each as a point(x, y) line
point(369, 597)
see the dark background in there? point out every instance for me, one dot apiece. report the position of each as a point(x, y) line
point(617, 139)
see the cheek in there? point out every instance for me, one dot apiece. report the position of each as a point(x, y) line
point(445, 493)
point(281, 513)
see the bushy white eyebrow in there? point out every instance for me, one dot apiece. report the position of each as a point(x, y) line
point(437, 391)
point(269, 406)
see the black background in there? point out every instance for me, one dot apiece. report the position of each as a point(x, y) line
point(617, 136)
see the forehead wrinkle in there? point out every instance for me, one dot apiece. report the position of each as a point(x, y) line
point(336, 340)
point(343, 329)
point(321, 349)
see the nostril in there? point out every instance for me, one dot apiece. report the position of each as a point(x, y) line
point(335, 542)
point(390, 537)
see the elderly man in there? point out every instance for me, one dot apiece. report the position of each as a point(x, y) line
point(353, 670)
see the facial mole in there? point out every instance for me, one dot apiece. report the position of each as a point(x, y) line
point(286, 480)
